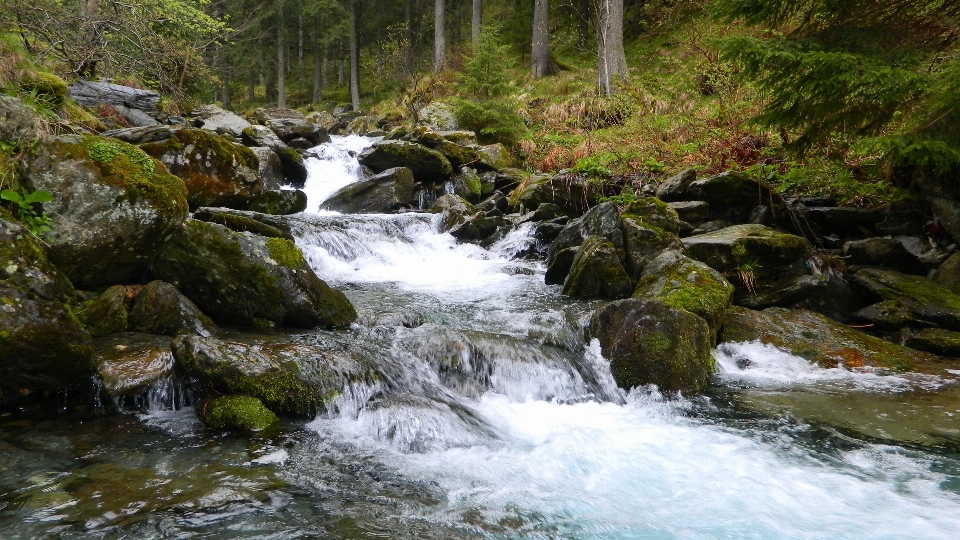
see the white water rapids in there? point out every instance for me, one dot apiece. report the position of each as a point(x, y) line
point(525, 435)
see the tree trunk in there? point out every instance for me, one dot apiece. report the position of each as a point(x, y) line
point(476, 21)
point(439, 37)
point(612, 61)
point(541, 63)
point(354, 59)
point(324, 78)
point(583, 25)
point(251, 85)
point(300, 38)
point(281, 73)
point(317, 61)
point(408, 37)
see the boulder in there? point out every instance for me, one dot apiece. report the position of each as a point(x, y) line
point(649, 228)
point(881, 252)
point(42, 344)
point(683, 283)
point(901, 222)
point(381, 194)
point(286, 377)
point(467, 185)
point(936, 341)
point(602, 220)
point(675, 188)
point(215, 171)
point(269, 167)
point(816, 338)
point(109, 312)
point(828, 294)
point(731, 195)
point(925, 300)
point(279, 202)
point(247, 279)
point(159, 308)
point(480, 229)
point(323, 119)
point(948, 274)
point(243, 221)
point(221, 121)
point(560, 266)
point(596, 272)
point(289, 124)
point(236, 413)
point(129, 363)
point(453, 210)
point(459, 136)
point(569, 192)
point(427, 165)
point(889, 316)
point(841, 220)
point(363, 125)
point(291, 162)
point(649, 342)
point(547, 212)
point(438, 116)
point(493, 157)
point(95, 93)
point(113, 207)
point(763, 250)
point(692, 212)
point(17, 121)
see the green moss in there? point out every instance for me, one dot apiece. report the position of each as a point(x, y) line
point(285, 252)
point(657, 342)
point(242, 413)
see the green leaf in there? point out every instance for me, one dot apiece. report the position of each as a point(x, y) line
point(38, 197)
point(10, 195)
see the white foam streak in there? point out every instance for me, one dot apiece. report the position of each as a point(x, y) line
point(332, 166)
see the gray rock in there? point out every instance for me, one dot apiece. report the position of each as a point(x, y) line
point(732, 196)
point(323, 119)
point(842, 219)
point(596, 272)
point(384, 193)
point(692, 212)
point(649, 228)
point(219, 120)
point(129, 363)
point(279, 202)
point(881, 252)
point(439, 117)
point(17, 121)
point(92, 93)
point(453, 209)
point(136, 117)
point(159, 308)
point(245, 279)
point(291, 163)
point(269, 167)
point(602, 220)
point(560, 267)
point(427, 165)
point(763, 250)
point(493, 157)
point(675, 187)
point(289, 124)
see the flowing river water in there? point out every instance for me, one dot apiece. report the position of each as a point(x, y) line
point(495, 420)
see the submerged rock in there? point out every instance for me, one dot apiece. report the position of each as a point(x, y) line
point(427, 164)
point(596, 272)
point(381, 194)
point(244, 279)
point(42, 344)
point(649, 342)
point(113, 207)
point(128, 363)
point(236, 413)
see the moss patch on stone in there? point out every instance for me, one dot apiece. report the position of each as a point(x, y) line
point(285, 252)
point(240, 413)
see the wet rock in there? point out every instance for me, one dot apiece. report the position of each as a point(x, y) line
point(547, 212)
point(245, 279)
point(816, 338)
point(159, 308)
point(675, 187)
point(454, 211)
point(493, 157)
point(236, 413)
point(596, 272)
point(948, 274)
point(221, 121)
point(842, 220)
point(215, 171)
point(881, 252)
point(243, 221)
point(731, 195)
point(427, 164)
point(762, 249)
point(602, 220)
point(925, 300)
point(128, 363)
point(936, 341)
point(113, 207)
point(279, 202)
point(649, 342)
point(902, 222)
point(479, 228)
point(269, 167)
point(42, 344)
point(289, 124)
point(323, 119)
point(828, 294)
point(438, 116)
point(286, 377)
point(683, 283)
point(467, 184)
point(381, 194)
point(109, 312)
point(559, 268)
point(888, 316)
point(692, 212)
point(291, 162)
point(649, 228)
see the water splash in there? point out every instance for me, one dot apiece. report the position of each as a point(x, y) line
point(332, 166)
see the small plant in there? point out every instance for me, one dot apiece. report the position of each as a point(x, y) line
point(745, 272)
point(38, 224)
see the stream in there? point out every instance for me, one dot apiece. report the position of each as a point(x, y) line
point(495, 420)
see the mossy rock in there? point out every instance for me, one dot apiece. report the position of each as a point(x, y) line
point(384, 193)
point(113, 207)
point(159, 308)
point(427, 164)
point(686, 284)
point(19, 122)
point(602, 220)
point(243, 221)
point(236, 413)
point(936, 341)
point(129, 363)
point(732, 196)
point(649, 228)
point(453, 209)
point(108, 313)
point(43, 346)
point(215, 171)
point(279, 202)
point(922, 298)
point(759, 249)
point(47, 86)
point(570, 192)
point(240, 278)
point(649, 342)
point(493, 157)
point(286, 377)
point(596, 272)
point(818, 339)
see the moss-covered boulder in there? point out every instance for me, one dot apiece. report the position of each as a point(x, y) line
point(601, 220)
point(46, 86)
point(427, 165)
point(216, 171)
point(453, 211)
point(159, 308)
point(242, 278)
point(245, 221)
point(761, 250)
point(289, 124)
point(649, 342)
point(732, 195)
point(467, 184)
point(675, 188)
point(384, 193)
point(286, 377)
point(493, 157)
point(279, 202)
point(917, 297)
point(113, 207)
point(683, 283)
point(596, 272)
point(109, 312)
point(817, 338)
point(649, 228)
point(936, 341)
point(42, 344)
point(236, 413)
point(570, 192)
point(129, 363)
point(291, 162)
point(18, 122)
